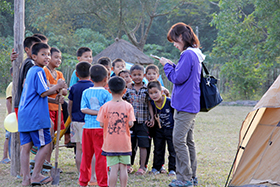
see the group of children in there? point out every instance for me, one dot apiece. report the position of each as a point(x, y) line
point(112, 115)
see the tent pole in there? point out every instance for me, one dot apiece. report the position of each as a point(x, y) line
point(240, 148)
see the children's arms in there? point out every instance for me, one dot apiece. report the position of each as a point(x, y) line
point(64, 91)
point(55, 89)
point(70, 104)
point(89, 111)
point(165, 91)
point(150, 123)
point(101, 124)
point(130, 124)
point(14, 55)
point(9, 105)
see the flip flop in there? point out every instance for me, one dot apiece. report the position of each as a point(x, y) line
point(46, 164)
point(42, 182)
point(5, 161)
point(140, 172)
point(93, 183)
point(129, 170)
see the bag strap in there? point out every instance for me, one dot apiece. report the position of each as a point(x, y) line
point(204, 68)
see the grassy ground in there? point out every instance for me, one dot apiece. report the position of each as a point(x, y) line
point(216, 136)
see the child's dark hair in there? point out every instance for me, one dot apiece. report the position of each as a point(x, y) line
point(98, 72)
point(117, 60)
point(82, 69)
point(105, 61)
point(153, 67)
point(11, 70)
point(136, 67)
point(116, 84)
point(38, 46)
point(123, 71)
point(82, 50)
point(41, 36)
point(154, 84)
point(188, 36)
point(29, 41)
point(53, 49)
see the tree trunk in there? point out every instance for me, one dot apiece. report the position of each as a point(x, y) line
point(19, 29)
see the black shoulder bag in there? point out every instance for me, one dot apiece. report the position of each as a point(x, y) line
point(209, 93)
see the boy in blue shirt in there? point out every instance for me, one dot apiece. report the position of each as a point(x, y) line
point(163, 131)
point(84, 54)
point(74, 109)
point(33, 116)
point(92, 99)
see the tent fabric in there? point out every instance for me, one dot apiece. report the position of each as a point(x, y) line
point(258, 154)
point(126, 51)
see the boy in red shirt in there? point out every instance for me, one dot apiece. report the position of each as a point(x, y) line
point(116, 117)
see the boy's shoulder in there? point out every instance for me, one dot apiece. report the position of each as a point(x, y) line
point(132, 89)
point(82, 85)
point(97, 91)
point(112, 104)
point(35, 69)
point(28, 62)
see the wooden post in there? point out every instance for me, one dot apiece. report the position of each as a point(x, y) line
point(19, 30)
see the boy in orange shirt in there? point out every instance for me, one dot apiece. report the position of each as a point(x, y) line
point(117, 117)
point(53, 76)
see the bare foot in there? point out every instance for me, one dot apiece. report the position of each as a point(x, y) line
point(25, 182)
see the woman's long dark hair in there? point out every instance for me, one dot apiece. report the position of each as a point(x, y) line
point(188, 36)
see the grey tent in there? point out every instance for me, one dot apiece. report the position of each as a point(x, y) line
point(126, 51)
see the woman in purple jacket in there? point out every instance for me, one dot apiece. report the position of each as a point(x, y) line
point(185, 99)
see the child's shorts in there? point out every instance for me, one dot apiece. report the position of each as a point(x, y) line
point(76, 131)
point(38, 138)
point(140, 132)
point(113, 160)
point(54, 116)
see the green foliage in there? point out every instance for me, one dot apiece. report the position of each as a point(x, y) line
point(6, 18)
point(5, 63)
point(5, 7)
point(248, 41)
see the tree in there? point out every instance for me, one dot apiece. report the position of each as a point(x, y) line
point(134, 18)
point(6, 15)
point(248, 42)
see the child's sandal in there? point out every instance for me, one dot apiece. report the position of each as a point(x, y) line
point(140, 172)
point(129, 170)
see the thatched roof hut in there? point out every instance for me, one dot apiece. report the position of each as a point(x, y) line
point(126, 51)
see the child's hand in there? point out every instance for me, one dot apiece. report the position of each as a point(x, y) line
point(14, 55)
point(61, 83)
point(152, 123)
point(129, 85)
point(59, 99)
point(166, 92)
point(149, 123)
point(130, 124)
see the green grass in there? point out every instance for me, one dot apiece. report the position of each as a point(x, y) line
point(216, 137)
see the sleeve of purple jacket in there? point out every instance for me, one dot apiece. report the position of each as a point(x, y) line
point(180, 73)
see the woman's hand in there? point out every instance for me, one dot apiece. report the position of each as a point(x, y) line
point(163, 61)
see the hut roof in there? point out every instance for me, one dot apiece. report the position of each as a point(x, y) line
point(126, 51)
